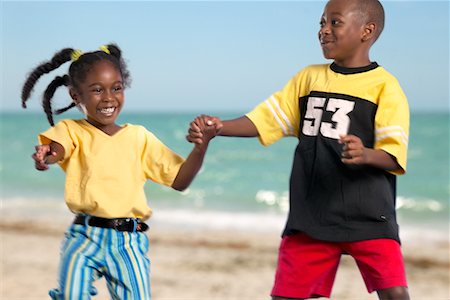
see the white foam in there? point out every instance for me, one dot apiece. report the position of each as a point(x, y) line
point(413, 204)
point(219, 220)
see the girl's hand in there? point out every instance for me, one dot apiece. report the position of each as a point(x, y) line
point(43, 152)
point(353, 152)
point(203, 129)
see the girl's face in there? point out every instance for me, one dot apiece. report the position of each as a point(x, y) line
point(101, 96)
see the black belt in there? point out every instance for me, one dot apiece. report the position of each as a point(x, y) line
point(119, 224)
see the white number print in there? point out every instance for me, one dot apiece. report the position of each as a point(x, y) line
point(313, 117)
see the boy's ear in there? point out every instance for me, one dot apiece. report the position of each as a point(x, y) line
point(369, 31)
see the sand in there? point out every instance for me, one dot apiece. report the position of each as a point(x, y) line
point(201, 264)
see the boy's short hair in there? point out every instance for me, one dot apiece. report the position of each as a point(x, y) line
point(371, 11)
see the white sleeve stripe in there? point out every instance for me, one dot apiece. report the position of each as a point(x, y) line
point(382, 129)
point(283, 115)
point(392, 134)
point(392, 129)
point(277, 118)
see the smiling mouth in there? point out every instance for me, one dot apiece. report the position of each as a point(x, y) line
point(325, 42)
point(108, 111)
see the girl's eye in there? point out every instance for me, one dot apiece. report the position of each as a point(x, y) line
point(97, 90)
point(117, 89)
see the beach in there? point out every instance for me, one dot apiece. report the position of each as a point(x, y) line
point(219, 239)
point(199, 263)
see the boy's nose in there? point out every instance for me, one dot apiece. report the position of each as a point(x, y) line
point(324, 30)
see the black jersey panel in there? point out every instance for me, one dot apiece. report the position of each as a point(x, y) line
point(329, 199)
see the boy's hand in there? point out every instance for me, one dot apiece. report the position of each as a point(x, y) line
point(203, 129)
point(353, 152)
point(41, 155)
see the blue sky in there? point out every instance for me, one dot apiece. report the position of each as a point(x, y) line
point(211, 56)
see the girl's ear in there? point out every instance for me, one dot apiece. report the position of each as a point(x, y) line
point(74, 95)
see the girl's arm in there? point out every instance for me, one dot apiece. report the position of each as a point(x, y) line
point(47, 154)
point(354, 153)
point(194, 161)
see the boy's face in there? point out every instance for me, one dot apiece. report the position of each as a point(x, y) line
point(341, 34)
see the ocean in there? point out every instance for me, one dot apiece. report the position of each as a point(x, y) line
point(241, 185)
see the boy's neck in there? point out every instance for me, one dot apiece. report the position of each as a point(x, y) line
point(353, 70)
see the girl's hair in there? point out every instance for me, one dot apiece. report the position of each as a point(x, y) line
point(81, 65)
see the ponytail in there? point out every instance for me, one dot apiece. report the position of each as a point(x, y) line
point(48, 95)
point(57, 60)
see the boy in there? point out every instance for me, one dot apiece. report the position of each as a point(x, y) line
point(352, 122)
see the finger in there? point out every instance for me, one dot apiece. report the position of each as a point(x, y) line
point(350, 154)
point(193, 140)
point(40, 166)
point(352, 161)
point(38, 157)
point(195, 134)
point(199, 123)
point(217, 123)
point(194, 127)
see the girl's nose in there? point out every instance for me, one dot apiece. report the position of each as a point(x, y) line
point(108, 96)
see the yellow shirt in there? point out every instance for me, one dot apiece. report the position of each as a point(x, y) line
point(105, 175)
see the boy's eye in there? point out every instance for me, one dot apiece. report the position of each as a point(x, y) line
point(335, 22)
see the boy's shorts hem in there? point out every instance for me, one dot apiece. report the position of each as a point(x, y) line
point(284, 292)
point(307, 267)
point(386, 284)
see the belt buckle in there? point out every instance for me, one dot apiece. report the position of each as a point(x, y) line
point(125, 224)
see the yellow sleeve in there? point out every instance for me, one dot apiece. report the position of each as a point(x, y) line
point(61, 134)
point(160, 164)
point(392, 124)
point(278, 116)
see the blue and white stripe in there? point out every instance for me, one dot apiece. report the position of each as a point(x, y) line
point(89, 253)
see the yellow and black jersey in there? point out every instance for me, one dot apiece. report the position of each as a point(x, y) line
point(328, 199)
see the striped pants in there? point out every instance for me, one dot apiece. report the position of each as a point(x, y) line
point(89, 253)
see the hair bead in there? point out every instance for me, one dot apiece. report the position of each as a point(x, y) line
point(75, 55)
point(105, 49)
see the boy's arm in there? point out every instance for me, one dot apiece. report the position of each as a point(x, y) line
point(194, 161)
point(240, 127)
point(354, 153)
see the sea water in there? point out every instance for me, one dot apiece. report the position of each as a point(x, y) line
point(241, 184)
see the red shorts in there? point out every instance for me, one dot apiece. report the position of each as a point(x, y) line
point(307, 267)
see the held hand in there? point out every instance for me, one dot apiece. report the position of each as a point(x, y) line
point(41, 155)
point(203, 128)
point(353, 152)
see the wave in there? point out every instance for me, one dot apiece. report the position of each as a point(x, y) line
point(195, 218)
point(420, 204)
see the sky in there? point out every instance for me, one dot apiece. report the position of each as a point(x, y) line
point(211, 56)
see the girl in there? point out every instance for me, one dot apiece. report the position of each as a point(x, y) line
point(106, 166)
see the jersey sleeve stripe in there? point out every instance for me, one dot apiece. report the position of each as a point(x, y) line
point(389, 131)
point(283, 115)
point(403, 139)
point(285, 132)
